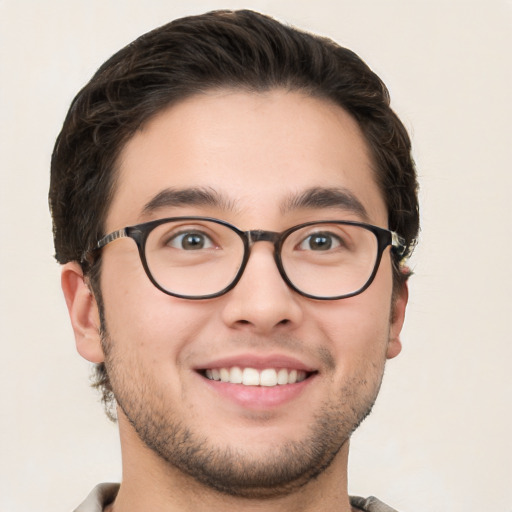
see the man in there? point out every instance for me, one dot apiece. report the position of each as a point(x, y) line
point(233, 204)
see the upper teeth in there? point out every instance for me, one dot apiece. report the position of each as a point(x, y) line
point(253, 377)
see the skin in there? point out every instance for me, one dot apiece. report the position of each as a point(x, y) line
point(257, 150)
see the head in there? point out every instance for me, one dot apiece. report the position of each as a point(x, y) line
point(200, 63)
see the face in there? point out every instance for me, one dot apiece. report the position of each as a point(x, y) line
point(255, 154)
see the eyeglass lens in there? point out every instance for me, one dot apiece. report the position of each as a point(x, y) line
point(200, 257)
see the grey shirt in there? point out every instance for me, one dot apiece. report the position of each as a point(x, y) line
point(104, 494)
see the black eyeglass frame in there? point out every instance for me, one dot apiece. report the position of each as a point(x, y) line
point(140, 232)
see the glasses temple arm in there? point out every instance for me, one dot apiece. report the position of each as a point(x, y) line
point(87, 256)
point(398, 243)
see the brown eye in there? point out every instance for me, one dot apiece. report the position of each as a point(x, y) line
point(190, 241)
point(320, 242)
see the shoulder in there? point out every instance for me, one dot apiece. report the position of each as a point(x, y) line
point(370, 504)
point(99, 498)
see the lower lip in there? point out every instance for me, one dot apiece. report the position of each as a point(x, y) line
point(259, 397)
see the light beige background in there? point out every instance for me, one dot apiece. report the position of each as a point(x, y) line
point(440, 436)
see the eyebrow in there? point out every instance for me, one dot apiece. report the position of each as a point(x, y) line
point(312, 198)
point(193, 196)
point(319, 197)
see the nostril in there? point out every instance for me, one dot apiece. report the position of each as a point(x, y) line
point(285, 321)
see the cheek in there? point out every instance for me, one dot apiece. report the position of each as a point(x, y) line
point(135, 311)
point(358, 328)
point(145, 321)
point(358, 333)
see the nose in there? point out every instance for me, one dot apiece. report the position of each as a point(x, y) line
point(262, 302)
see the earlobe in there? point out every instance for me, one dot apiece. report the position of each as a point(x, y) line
point(83, 312)
point(397, 321)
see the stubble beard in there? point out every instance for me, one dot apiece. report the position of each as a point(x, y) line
point(234, 471)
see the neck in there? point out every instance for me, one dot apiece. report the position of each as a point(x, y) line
point(150, 483)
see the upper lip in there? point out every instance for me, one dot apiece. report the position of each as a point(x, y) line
point(258, 362)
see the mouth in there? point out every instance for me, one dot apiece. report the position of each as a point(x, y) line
point(256, 382)
point(266, 377)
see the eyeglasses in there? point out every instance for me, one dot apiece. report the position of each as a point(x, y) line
point(202, 258)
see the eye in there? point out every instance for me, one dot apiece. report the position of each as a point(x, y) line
point(322, 241)
point(190, 241)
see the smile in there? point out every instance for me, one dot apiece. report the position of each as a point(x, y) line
point(268, 377)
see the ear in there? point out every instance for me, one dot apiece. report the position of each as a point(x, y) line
point(397, 321)
point(83, 312)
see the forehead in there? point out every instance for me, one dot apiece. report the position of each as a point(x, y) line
point(257, 151)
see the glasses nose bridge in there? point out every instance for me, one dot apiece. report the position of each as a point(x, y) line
point(260, 235)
